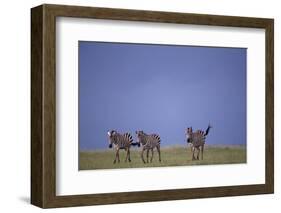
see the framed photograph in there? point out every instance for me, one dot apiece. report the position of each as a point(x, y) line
point(136, 106)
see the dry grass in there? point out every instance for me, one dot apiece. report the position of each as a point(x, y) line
point(171, 156)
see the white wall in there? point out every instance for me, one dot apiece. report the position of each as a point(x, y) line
point(15, 104)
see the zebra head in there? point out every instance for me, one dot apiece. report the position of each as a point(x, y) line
point(111, 135)
point(140, 135)
point(189, 132)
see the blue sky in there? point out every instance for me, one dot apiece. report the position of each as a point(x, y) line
point(161, 89)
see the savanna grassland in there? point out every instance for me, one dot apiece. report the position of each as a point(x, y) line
point(171, 156)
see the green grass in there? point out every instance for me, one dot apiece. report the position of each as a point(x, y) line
point(171, 156)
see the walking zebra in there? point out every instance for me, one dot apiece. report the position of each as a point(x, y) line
point(149, 142)
point(197, 141)
point(120, 141)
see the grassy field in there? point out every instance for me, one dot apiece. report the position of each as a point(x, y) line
point(171, 156)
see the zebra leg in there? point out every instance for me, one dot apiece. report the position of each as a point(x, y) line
point(152, 152)
point(117, 151)
point(193, 150)
point(115, 158)
point(129, 155)
point(118, 156)
point(159, 153)
point(198, 153)
point(142, 156)
point(147, 154)
point(202, 150)
point(126, 155)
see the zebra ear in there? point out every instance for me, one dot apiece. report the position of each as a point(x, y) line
point(108, 132)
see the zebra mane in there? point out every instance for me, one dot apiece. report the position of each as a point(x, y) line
point(140, 132)
point(143, 133)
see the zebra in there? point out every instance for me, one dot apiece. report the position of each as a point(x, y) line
point(149, 142)
point(120, 141)
point(197, 140)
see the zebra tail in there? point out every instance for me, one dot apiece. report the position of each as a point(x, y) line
point(207, 131)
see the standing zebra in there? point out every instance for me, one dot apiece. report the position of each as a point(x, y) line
point(120, 141)
point(149, 142)
point(197, 140)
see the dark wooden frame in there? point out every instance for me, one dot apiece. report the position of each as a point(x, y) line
point(43, 105)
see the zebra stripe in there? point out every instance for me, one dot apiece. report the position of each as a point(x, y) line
point(128, 137)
